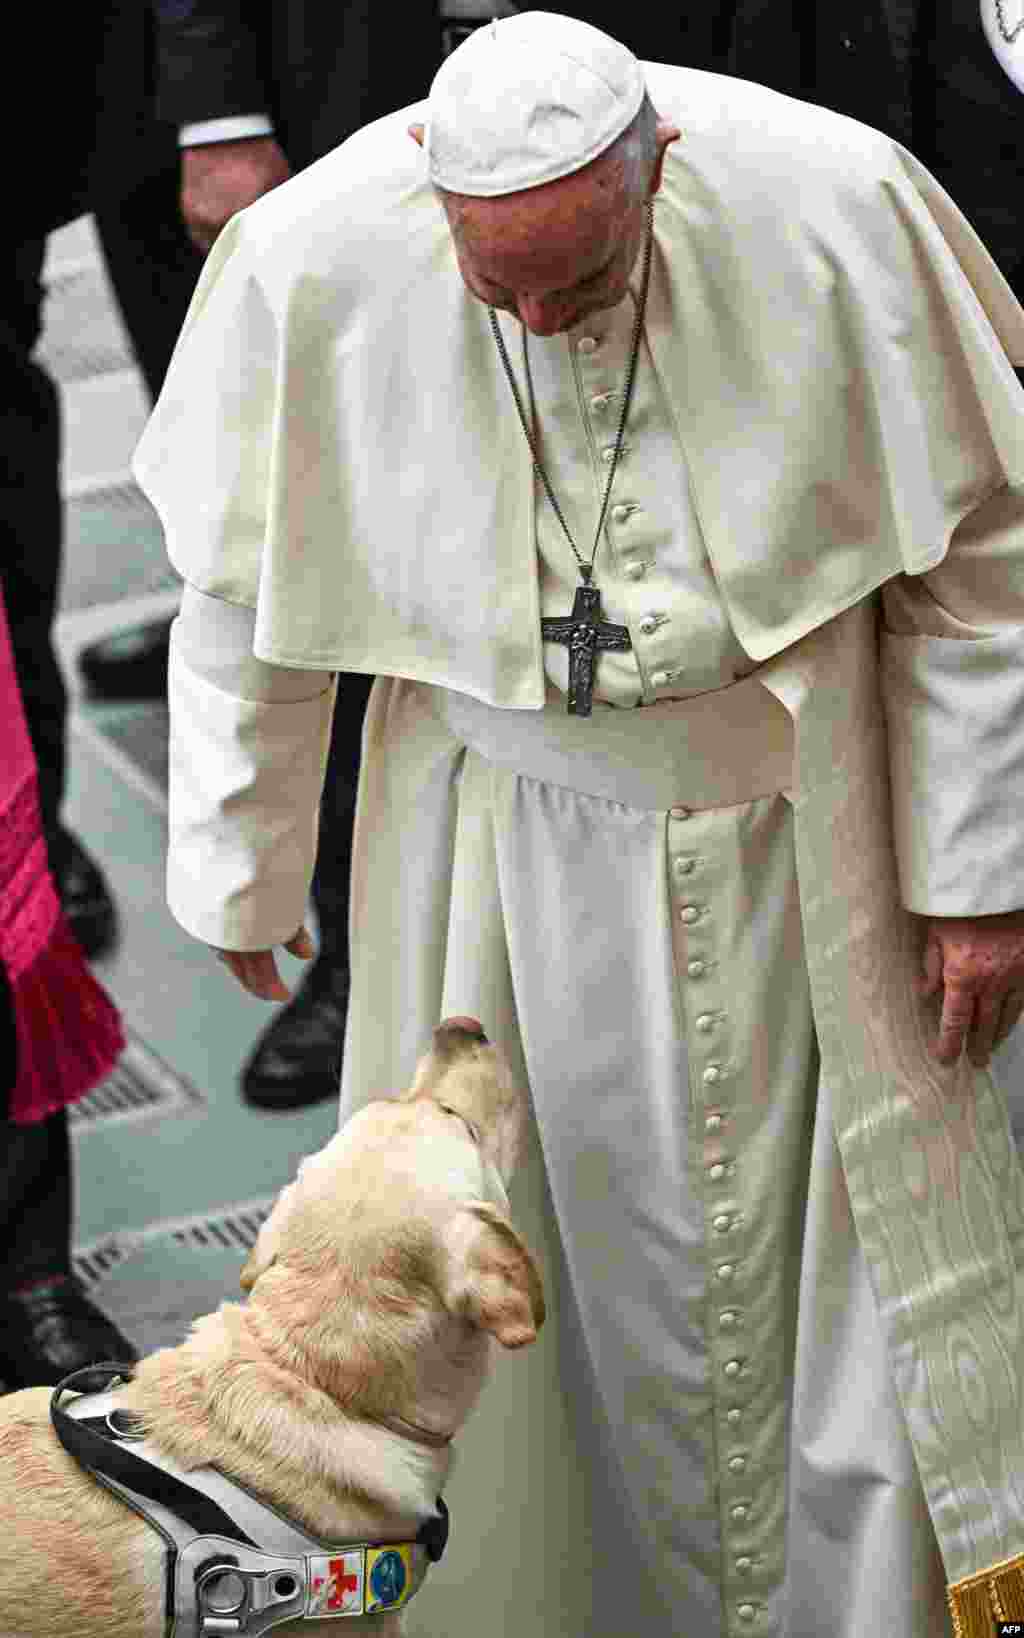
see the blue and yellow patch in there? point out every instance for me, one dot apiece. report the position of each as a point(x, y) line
point(388, 1577)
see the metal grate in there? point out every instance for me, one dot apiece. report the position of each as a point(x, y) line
point(235, 1230)
point(141, 736)
point(229, 1228)
point(83, 335)
point(141, 1086)
point(114, 544)
point(115, 492)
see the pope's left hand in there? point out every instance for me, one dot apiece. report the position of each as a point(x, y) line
point(979, 963)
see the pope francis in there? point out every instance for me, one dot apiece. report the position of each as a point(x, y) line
point(655, 440)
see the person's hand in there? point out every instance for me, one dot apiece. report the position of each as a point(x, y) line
point(256, 970)
point(979, 962)
point(220, 178)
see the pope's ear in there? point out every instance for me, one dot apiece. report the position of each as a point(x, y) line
point(418, 133)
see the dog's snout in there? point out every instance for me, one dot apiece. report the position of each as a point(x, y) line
point(464, 1025)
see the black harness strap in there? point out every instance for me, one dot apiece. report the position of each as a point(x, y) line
point(93, 1444)
point(97, 1448)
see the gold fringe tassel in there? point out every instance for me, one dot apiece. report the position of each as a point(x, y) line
point(979, 1601)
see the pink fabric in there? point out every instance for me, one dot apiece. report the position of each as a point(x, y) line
point(68, 1030)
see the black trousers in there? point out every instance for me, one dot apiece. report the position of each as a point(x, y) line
point(153, 268)
point(35, 1180)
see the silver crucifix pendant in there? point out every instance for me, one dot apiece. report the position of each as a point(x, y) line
point(586, 636)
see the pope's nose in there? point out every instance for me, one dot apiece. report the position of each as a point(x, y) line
point(468, 1026)
point(543, 319)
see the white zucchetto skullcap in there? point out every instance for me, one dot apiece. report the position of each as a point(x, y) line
point(527, 99)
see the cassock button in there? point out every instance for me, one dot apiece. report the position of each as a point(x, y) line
point(690, 913)
point(680, 813)
point(716, 1172)
point(706, 1023)
point(712, 1122)
point(712, 1075)
point(732, 1367)
point(621, 512)
point(721, 1224)
point(733, 1417)
point(739, 1512)
point(727, 1320)
point(726, 1271)
point(660, 678)
point(648, 624)
point(636, 571)
point(737, 1464)
point(746, 1612)
point(696, 969)
point(686, 867)
point(744, 1565)
point(588, 344)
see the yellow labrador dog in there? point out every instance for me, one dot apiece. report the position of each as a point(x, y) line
point(377, 1287)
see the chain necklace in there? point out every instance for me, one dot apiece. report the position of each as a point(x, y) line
point(583, 631)
point(1009, 34)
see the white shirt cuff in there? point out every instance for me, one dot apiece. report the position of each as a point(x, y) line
point(232, 128)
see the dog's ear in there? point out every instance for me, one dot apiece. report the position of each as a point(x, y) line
point(264, 1252)
point(492, 1278)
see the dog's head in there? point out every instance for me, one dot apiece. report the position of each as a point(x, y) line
point(393, 1252)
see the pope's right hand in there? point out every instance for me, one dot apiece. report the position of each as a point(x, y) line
point(256, 970)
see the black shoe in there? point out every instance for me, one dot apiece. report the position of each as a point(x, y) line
point(50, 1330)
point(129, 665)
point(83, 893)
point(297, 1059)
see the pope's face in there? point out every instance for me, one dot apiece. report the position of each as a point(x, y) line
point(554, 254)
point(551, 255)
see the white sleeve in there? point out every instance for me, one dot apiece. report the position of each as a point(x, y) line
point(952, 674)
point(248, 754)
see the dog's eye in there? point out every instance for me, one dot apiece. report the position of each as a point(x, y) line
point(470, 1128)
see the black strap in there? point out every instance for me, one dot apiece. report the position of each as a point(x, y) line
point(95, 1446)
point(434, 1532)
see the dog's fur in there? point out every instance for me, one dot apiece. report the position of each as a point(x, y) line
point(376, 1287)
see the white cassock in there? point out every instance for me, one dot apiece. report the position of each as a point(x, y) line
point(778, 1392)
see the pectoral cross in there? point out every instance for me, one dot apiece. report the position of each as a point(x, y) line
point(586, 635)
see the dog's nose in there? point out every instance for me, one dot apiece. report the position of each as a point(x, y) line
point(468, 1026)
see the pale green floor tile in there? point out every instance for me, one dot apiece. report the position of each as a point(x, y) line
point(181, 1001)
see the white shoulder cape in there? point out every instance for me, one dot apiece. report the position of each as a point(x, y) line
point(336, 446)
